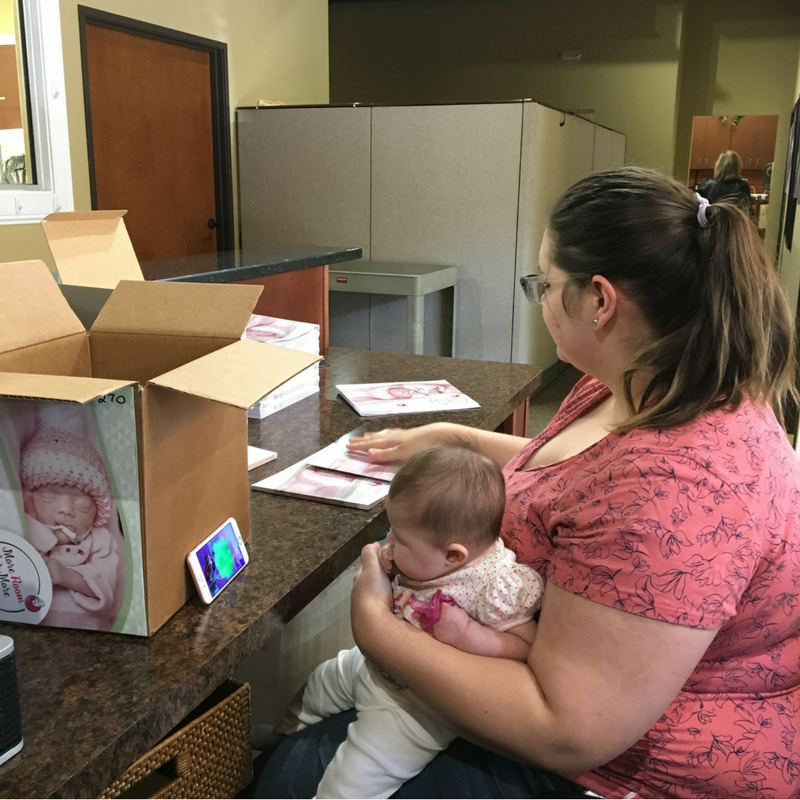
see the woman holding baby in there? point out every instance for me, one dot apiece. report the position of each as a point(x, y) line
point(660, 506)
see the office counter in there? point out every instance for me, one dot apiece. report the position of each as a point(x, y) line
point(294, 277)
point(92, 703)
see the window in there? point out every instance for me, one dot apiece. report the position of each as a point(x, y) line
point(35, 177)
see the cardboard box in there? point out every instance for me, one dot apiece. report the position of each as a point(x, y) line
point(158, 388)
point(91, 248)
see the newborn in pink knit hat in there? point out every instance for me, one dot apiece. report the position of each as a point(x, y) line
point(67, 497)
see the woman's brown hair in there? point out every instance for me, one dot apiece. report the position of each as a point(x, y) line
point(722, 327)
point(728, 166)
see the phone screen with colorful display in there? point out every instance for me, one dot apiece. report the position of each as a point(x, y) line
point(217, 560)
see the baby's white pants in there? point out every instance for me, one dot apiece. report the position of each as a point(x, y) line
point(386, 745)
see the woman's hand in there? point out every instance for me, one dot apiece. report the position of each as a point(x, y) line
point(400, 444)
point(386, 559)
point(396, 444)
point(371, 600)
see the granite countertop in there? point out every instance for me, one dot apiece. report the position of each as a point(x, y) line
point(92, 703)
point(241, 265)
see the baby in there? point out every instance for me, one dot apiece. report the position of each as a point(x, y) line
point(67, 498)
point(445, 506)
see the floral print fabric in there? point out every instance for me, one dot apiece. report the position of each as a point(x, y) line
point(495, 590)
point(698, 526)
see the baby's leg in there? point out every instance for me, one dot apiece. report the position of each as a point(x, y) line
point(386, 746)
point(329, 690)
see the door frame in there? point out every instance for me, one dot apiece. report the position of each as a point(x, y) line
point(220, 106)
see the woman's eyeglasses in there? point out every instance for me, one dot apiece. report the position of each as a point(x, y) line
point(534, 287)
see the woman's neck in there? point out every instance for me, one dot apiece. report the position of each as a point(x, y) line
point(617, 409)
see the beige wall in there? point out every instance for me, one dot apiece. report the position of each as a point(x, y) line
point(6, 17)
point(277, 50)
point(468, 50)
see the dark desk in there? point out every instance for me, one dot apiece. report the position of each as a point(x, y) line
point(92, 703)
point(294, 277)
point(240, 265)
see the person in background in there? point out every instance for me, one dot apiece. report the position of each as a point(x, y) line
point(727, 182)
point(661, 506)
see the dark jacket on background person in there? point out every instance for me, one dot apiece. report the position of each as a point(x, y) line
point(737, 189)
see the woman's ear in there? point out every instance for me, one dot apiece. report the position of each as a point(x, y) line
point(456, 554)
point(604, 301)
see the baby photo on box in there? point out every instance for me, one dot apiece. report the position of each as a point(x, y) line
point(70, 526)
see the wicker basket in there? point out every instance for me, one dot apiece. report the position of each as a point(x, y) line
point(207, 755)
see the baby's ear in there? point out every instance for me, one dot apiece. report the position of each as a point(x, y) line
point(27, 502)
point(457, 554)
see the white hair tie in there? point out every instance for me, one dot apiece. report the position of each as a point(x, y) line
point(701, 212)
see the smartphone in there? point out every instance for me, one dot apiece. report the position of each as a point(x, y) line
point(217, 560)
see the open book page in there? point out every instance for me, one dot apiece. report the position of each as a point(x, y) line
point(337, 457)
point(325, 486)
point(377, 399)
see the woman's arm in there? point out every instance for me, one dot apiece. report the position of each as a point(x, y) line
point(595, 682)
point(400, 444)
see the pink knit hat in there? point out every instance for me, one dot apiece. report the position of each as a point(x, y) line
point(58, 455)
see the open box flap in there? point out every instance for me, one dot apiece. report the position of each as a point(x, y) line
point(239, 374)
point(178, 309)
point(91, 248)
point(32, 308)
point(57, 387)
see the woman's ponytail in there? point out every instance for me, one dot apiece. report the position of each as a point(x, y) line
point(723, 330)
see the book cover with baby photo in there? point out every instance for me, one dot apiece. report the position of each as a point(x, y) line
point(377, 399)
point(70, 525)
point(325, 486)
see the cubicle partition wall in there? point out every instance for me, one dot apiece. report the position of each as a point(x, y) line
point(462, 184)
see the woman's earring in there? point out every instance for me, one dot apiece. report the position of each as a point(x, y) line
point(595, 321)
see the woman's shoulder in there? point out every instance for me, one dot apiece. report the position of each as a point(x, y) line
point(726, 442)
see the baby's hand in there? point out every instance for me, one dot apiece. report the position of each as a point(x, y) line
point(386, 558)
point(452, 625)
point(55, 569)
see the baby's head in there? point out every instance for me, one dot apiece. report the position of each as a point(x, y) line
point(445, 506)
point(64, 480)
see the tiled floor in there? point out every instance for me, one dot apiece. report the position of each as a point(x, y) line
point(546, 402)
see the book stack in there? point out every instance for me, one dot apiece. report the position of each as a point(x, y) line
point(410, 397)
point(303, 336)
point(334, 475)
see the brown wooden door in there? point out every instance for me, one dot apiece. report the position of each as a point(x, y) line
point(10, 113)
point(151, 139)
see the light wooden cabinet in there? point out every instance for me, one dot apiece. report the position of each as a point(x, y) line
point(710, 137)
point(751, 136)
point(767, 135)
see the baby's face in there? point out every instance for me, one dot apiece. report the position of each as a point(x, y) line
point(412, 551)
point(65, 506)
